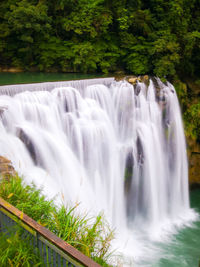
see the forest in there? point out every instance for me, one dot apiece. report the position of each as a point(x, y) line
point(155, 37)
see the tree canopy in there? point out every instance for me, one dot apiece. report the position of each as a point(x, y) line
point(156, 36)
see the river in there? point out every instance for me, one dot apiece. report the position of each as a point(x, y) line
point(7, 78)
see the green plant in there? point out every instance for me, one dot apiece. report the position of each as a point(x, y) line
point(155, 37)
point(92, 236)
point(16, 251)
point(192, 121)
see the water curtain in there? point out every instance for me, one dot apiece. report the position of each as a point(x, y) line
point(108, 145)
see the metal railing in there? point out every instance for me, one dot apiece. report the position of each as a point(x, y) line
point(53, 250)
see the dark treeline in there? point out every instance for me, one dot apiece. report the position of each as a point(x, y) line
point(156, 36)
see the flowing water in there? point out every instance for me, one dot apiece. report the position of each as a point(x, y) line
point(109, 146)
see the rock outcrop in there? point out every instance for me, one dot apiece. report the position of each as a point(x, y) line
point(6, 168)
point(133, 79)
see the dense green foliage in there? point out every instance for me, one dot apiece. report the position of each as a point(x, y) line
point(92, 236)
point(189, 97)
point(156, 36)
point(192, 122)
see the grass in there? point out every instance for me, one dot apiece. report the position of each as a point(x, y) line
point(91, 236)
point(16, 251)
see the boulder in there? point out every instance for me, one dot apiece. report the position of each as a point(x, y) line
point(132, 80)
point(28, 143)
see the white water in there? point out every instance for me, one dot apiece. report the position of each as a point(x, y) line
point(107, 145)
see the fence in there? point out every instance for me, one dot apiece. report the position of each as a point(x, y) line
point(53, 250)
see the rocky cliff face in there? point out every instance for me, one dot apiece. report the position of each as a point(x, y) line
point(190, 100)
point(194, 162)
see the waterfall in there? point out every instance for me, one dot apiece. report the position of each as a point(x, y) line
point(108, 145)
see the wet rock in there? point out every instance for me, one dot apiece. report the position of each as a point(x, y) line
point(129, 166)
point(137, 89)
point(128, 175)
point(132, 80)
point(29, 145)
point(66, 106)
point(119, 75)
point(161, 98)
point(145, 78)
point(2, 109)
point(6, 168)
point(156, 85)
point(140, 151)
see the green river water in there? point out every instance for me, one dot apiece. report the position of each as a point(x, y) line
point(38, 77)
point(183, 250)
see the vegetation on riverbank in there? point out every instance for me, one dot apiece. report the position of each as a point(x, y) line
point(142, 37)
point(17, 252)
point(91, 236)
point(189, 97)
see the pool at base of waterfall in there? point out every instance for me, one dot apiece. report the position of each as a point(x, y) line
point(179, 250)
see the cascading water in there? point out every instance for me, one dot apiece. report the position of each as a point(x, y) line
point(105, 144)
